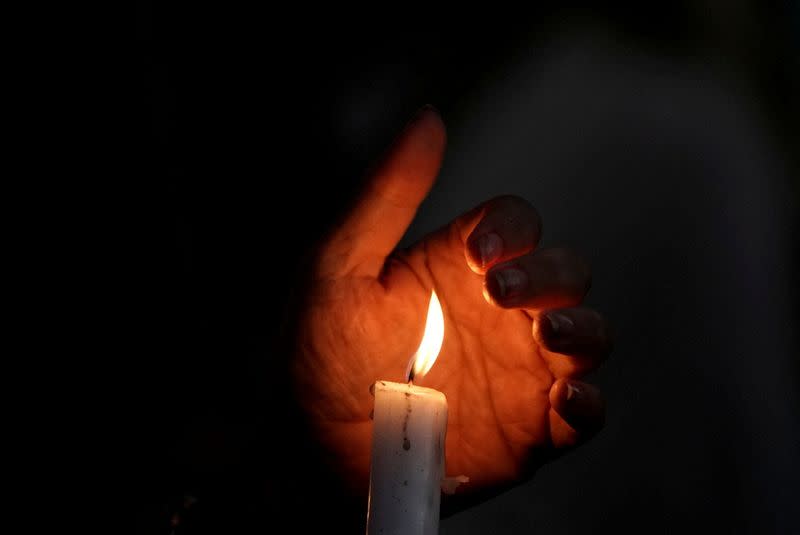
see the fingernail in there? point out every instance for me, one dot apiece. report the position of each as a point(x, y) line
point(421, 129)
point(573, 392)
point(423, 112)
point(487, 248)
point(560, 325)
point(507, 283)
point(582, 408)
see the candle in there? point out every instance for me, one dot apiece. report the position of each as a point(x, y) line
point(408, 439)
point(407, 459)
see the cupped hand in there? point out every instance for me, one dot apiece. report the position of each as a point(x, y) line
point(516, 338)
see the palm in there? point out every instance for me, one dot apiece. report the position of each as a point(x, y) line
point(360, 330)
point(508, 396)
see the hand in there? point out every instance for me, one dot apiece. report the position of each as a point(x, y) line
point(515, 337)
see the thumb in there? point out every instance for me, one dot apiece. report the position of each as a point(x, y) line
point(389, 200)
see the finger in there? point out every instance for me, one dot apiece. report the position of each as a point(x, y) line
point(577, 412)
point(389, 201)
point(576, 340)
point(547, 278)
point(509, 226)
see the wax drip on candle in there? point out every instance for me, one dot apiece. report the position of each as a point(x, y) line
point(406, 442)
point(450, 484)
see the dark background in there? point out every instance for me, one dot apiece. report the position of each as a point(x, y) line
point(660, 139)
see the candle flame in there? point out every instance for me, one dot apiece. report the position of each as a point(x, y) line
point(431, 343)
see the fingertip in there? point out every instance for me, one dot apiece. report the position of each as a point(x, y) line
point(503, 287)
point(509, 226)
point(483, 251)
point(580, 405)
point(429, 125)
point(554, 326)
point(429, 110)
point(577, 332)
point(558, 394)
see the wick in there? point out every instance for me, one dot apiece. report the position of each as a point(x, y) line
point(411, 376)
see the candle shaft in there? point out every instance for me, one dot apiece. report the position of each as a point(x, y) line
point(408, 441)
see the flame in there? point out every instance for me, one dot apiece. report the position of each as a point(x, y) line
point(431, 343)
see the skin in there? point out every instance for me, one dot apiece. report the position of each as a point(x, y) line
point(510, 376)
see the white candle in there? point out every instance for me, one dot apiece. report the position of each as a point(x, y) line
point(408, 442)
point(407, 460)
